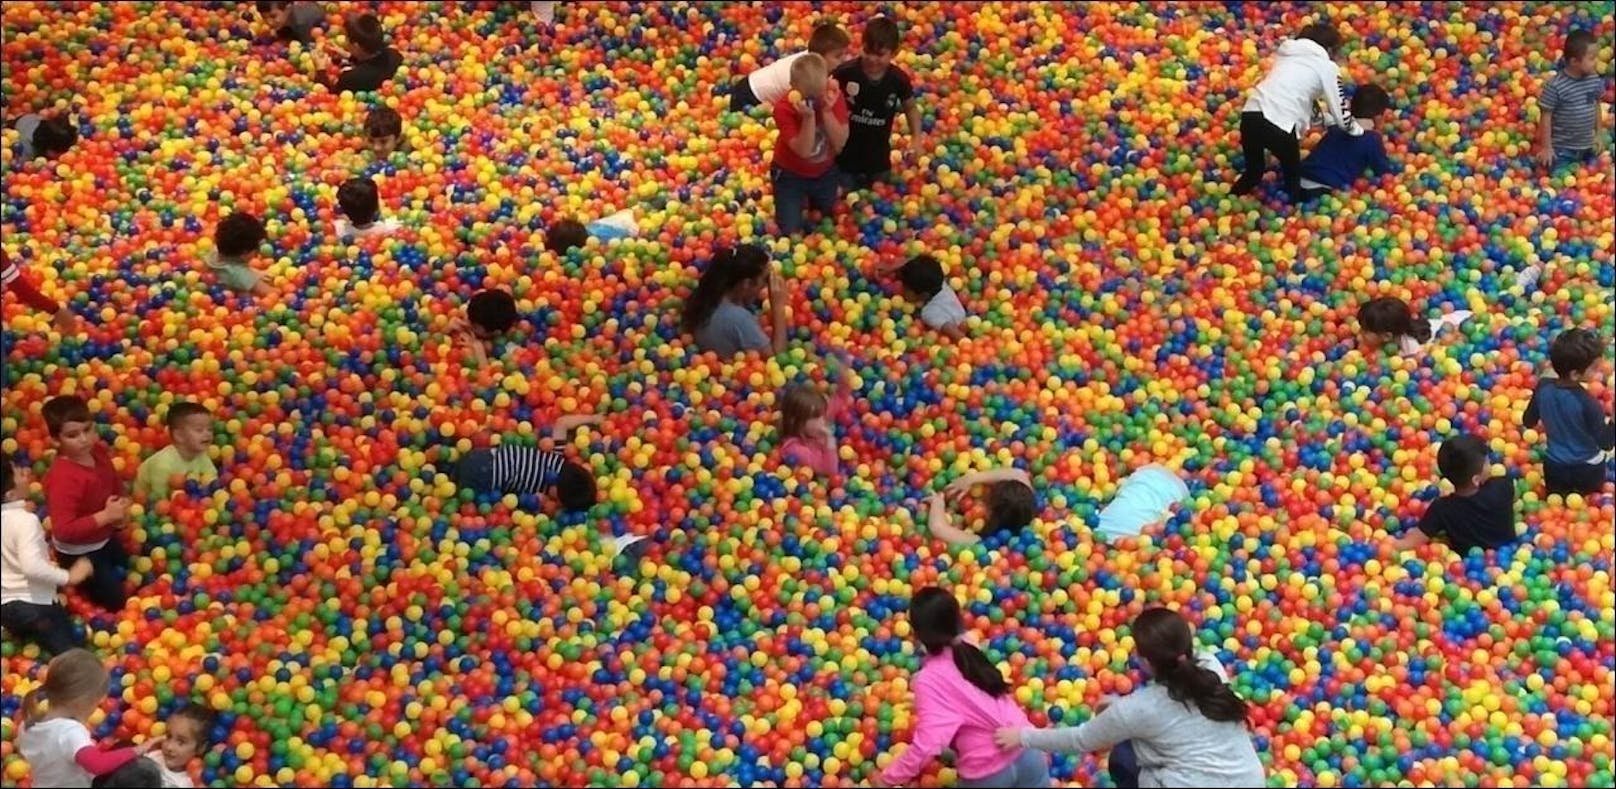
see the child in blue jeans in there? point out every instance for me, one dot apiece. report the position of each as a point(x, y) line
point(813, 128)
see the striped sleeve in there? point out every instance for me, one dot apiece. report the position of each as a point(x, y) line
point(1549, 99)
point(525, 469)
point(12, 280)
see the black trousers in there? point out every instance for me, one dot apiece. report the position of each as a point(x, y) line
point(105, 588)
point(1581, 478)
point(47, 625)
point(741, 97)
point(1259, 136)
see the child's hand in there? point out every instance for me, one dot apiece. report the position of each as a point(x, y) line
point(66, 322)
point(805, 108)
point(1545, 155)
point(777, 283)
point(876, 779)
point(116, 510)
point(958, 487)
point(1008, 738)
point(81, 571)
point(150, 745)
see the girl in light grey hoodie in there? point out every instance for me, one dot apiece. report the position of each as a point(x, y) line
point(1282, 107)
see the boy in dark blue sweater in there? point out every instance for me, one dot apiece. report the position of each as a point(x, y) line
point(1340, 158)
point(1580, 435)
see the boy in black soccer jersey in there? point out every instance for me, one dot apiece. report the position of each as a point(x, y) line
point(875, 90)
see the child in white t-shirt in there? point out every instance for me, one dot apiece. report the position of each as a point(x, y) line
point(922, 278)
point(362, 211)
point(55, 738)
point(188, 731)
point(1389, 320)
point(771, 83)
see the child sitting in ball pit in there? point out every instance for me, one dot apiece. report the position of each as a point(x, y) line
point(55, 738)
point(1569, 122)
point(187, 733)
point(384, 131)
point(292, 21)
point(1340, 158)
point(1581, 437)
point(923, 281)
point(806, 417)
point(45, 136)
point(1388, 320)
point(372, 61)
point(361, 208)
point(771, 83)
point(190, 430)
point(28, 577)
point(1480, 513)
point(235, 240)
point(813, 128)
point(489, 314)
point(530, 470)
point(1011, 505)
point(86, 502)
point(719, 312)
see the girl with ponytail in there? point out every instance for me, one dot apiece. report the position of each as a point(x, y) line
point(960, 699)
point(719, 312)
point(55, 738)
point(1186, 729)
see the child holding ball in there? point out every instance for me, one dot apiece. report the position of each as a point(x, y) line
point(813, 129)
point(807, 417)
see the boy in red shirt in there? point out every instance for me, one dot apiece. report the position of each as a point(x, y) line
point(86, 501)
point(813, 129)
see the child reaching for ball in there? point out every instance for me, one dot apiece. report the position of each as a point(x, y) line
point(813, 128)
point(190, 431)
point(923, 280)
point(28, 577)
point(235, 241)
point(1581, 437)
point(1011, 505)
point(187, 733)
point(1479, 513)
point(55, 738)
point(806, 419)
point(1388, 320)
point(86, 501)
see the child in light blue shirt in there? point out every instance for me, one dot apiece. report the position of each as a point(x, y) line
point(1144, 499)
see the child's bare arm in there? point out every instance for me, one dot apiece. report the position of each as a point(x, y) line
point(987, 478)
point(941, 523)
point(953, 331)
point(1413, 538)
point(911, 113)
point(1545, 145)
point(565, 425)
point(802, 144)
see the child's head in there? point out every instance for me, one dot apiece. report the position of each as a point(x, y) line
point(239, 235)
point(737, 273)
point(1580, 53)
point(1011, 505)
point(830, 42)
point(938, 624)
point(75, 684)
point(565, 235)
point(491, 312)
point(14, 480)
point(575, 487)
point(384, 130)
point(189, 730)
point(54, 136)
point(1462, 460)
point(365, 35)
point(359, 201)
point(1325, 35)
point(1387, 318)
point(809, 76)
point(275, 13)
point(1575, 352)
point(67, 419)
point(880, 45)
point(922, 277)
point(139, 773)
point(802, 411)
point(190, 426)
point(1164, 641)
point(1370, 101)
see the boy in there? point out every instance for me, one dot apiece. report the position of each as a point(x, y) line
point(292, 21)
point(566, 235)
point(771, 83)
point(384, 130)
point(43, 136)
point(190, 430)
point(1480, 513)
point(923, 278)
point(86, 503)
point(234, 240)
point(186, 738)
point(361, 210)
point(1340, 158)
point(531, 470)
point(28, 578)
point(875, 89)
point(1568, 124)
point(489, 314)
point(1581, 437)
point(13, 281)
point(372, 61)
point(812, 129)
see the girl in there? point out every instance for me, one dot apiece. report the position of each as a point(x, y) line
point(1281, 107)
point(1187, 729)
point(28, 577)
point(719, 313)
point(1388, 319)
point(960, 699)
point(806, 415)
point(188, 734)
point(56, 741)
point(1144, 499)
point(1011, 505)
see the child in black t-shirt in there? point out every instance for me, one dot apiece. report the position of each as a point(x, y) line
point(1480, 513)
point(875, 90)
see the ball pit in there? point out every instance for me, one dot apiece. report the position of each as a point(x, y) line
point(359, 624)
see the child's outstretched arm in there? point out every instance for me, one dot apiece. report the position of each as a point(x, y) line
point(941, 523)
point(565, 425)
point(778, 323)
point(1101, 732)
point(965, 483)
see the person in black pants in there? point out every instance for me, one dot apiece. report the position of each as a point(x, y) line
point(1258, 136)
point(1281, 108)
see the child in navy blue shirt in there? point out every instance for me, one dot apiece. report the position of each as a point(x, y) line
point(1340, 158)
point(1580, 435)
point(1479, 513)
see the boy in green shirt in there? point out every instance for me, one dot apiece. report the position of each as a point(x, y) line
point(190, 429)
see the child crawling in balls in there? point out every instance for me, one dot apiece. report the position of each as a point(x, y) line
point(530, 471)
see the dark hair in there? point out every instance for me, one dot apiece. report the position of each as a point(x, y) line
point(881, 35)
point(575, 487)
point(730, 267)
point(492, 310)
point(238, 234)
point(138, 773)
point(935, 616)
point(204, 717)
point(1166, 643)
point(1577, 44)
point(1575, 350)
point(60, 410)
point(1461, 458)
point(266, 6)
point(366, 31)
point(8, 475)
point(564, 235)
point(383, 122)
point(1011, 505)
point(828, 37)
point(1370, 101)
point(923, 275)
point(54, 135)
point(179, 412)
point(1389, 315)
point(359, 201)
point(1323, 34)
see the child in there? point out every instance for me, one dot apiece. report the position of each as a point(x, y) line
point(185, 739)
point(87, 507)
point(1388, 319)
point(1280, 108)
point(361, 211)
point(719, 312)
point(140, 773)
point(1011, 505)
point(236, 238)
point(1187, 728)
point(292, 21)
point(770, 84)
point(1580, 435)
point(384, 130)
point(812, 129)
point(961, 699)
point(875, 89)
point(56, 742)
point(530, 470)
point(373, 62)
point(566, 235)
point(1340, 158)
point(1569, 122)
point(1480, 513)
point(489, 314)
point(923, 278)
point(11, 277)
point(806, 415)
point(28, 577)
point(190, 431)
point(42, 136)
point(1144, 499)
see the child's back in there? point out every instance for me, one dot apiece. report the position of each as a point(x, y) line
point(1340, 158)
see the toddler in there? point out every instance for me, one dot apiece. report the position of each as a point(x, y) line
point(1144, 499)
point(1389, 320)
point(190, 431)
point(1568, 123)
point(88, 509)
point(769, 84)
point(875, 90)
point(186, 737)
point(235, 241)
point(372, 61)
point(806, 416)
point(28, 577)
point(292, 21)
point(813, 127)
point(1480, 513)
point(1581, 437)
point(922, 278)
point(1011, 505)
point(361, 211)
point(42, 136)
point(384, 130)
point(1340, 158)
point(489, 314)
point(56, 741)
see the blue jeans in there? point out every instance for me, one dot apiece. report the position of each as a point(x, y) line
point(1124, 765)
point(105, 587)
point(793, 193)
point(1030, 769)
point(1564, 157)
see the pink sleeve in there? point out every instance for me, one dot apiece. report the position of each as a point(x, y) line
point(98, 762)
point(840, 404)
point(935, 724)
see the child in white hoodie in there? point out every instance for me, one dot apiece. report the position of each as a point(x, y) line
point(1281, 107)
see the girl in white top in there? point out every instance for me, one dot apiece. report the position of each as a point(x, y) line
point(55, 738)
point(1282, 107)
point(28, 577)
point(1389, 320)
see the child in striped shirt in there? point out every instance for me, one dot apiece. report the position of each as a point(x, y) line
point(1568, 129)
point(531, 470)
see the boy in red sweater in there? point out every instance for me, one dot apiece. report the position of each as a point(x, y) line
point(813, 129)
point(86, 501)
point(14, 282)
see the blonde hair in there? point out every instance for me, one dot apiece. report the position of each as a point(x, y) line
point(808, 74)
point(71, 678)
point(798, 404)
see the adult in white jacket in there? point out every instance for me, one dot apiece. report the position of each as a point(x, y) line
point(1281, 108)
